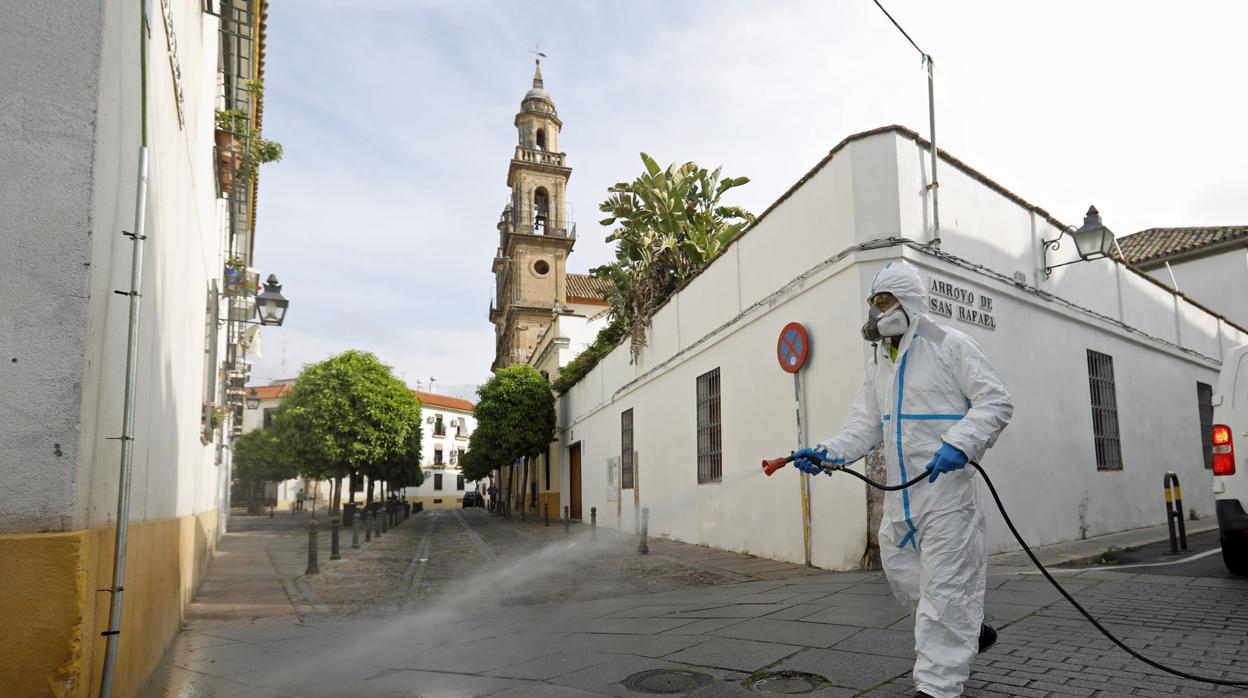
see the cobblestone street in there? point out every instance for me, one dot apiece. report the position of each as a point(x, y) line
point(461, 603)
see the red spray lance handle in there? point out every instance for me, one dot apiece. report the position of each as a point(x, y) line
point(771, 466)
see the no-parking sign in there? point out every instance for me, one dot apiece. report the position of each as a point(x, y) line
point(793, 347)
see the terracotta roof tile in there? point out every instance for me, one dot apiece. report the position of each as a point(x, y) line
point(586, 288)
point(280, 390)
point(1156, 244)
point(271, 392)
point(443, 401)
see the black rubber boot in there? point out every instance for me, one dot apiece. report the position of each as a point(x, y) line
point(987, 637)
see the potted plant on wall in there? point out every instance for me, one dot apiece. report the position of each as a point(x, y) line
point(235, 276)
point(231, 127)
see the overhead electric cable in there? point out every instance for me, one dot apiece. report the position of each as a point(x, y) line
point(903, 31)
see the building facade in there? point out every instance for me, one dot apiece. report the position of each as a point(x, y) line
point(447, 423)
point(1207, 264)
point(81, 107)
point(541, 313)
point(1104, 363)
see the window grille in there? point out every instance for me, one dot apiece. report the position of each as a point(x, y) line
point(459, 482)
point(269, 413)
point(710, 456)
point(626, 449)
point(437, 456)
point(1104, 411)
point(1204, 404)
point(437, 482)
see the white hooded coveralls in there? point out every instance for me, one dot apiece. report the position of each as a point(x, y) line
point(932, 538)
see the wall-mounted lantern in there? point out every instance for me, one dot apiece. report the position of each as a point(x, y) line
point(253, 399)
point(271, 304)
point(1092, 241)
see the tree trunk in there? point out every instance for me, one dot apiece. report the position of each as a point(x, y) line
point(369, 494)
point(337, 496)
point(524, 487)
point(351, 487)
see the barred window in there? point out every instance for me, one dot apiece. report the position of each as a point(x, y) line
point(437, 482)
point(626, 449)
point(459, 482)
point(1204, 404)
point(1104, 411)
point(710, 457)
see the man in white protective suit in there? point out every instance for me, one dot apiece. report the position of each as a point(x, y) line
point(933, 400)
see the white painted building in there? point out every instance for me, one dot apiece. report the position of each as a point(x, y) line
point(1207, 264)
point(74, 114)
point(707, 388)
point(446, 424)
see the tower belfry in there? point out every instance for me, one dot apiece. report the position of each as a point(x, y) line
point(535, 236)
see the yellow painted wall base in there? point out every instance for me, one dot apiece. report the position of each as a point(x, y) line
point(551, 499)
point(450, 500)
point(53, 615)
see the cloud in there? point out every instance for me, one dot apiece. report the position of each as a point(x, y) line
point(396, 119)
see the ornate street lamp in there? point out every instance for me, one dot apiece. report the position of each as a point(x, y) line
point(253, 399)
point(1092, 241)
point(271, 304)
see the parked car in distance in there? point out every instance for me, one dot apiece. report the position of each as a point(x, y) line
point(1230, 474)
point(473, 499)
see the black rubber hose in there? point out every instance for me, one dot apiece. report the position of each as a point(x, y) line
point(1027, 549)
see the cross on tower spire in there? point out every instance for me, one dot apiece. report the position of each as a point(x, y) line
point(537, 72)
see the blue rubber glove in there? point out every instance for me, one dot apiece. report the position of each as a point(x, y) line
point(948, 459)
point(807, 460)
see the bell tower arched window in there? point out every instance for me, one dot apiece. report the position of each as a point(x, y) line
point(541, 139)
point(541, 210)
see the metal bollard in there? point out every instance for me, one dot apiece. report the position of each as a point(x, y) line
point(355, 532)
point(312, 566)
point(271, 510)
point(385, 520)
point(334, 524)
point(566, 518)
point(546, 512)
point(379, 524)
point(593, 523)
point(1174, 511)
point(644, 547)
point(368, 526)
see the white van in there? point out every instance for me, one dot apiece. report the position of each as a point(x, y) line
point(1230, 475)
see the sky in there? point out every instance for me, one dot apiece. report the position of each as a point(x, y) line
point(396, 119)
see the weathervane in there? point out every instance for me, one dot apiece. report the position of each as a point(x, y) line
point(537, 51)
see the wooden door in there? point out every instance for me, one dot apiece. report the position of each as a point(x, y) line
point(574, 480)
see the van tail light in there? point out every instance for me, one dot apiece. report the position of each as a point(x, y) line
point(1223, 450)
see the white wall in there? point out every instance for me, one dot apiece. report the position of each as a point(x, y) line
point(1219, 281)
point(71, 153)
point(1044, 464)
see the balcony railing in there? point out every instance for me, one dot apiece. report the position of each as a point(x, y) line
point(539, 157)
point(548, 226)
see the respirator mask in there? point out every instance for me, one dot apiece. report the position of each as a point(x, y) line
point(885, 323)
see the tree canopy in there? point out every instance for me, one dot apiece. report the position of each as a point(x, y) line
point(670, 224)
point(515, 416)
point(350, 413)
point(260, 456)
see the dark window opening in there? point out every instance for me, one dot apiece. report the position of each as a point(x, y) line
point(437, 457)
point(1104, 411)
point(269, 413)
point(439, 427)
point(626, 449)
point(541, 139)
point(437, 482)
point(710, 455)
point(459, 482)
point(541, 210)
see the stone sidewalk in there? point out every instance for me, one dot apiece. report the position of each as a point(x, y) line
point(839, 634)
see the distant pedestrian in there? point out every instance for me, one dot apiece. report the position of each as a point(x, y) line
point(299, 499)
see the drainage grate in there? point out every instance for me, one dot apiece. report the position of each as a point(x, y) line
point(665, 681)
point(787, 683)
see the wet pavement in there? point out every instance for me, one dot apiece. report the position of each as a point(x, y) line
point(499, 608)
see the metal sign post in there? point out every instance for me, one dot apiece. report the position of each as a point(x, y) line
point(792, 351)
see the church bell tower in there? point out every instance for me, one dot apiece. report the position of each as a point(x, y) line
point(535, 236)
